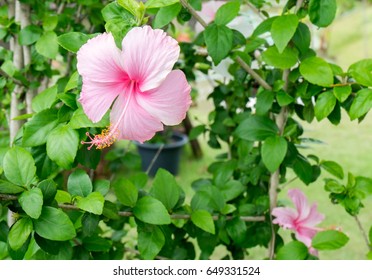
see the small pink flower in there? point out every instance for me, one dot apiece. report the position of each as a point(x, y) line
point(301, 220)
point(138, 80)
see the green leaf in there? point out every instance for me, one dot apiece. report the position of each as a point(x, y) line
point(232, 189)
point(264, 26)
point(196, 131)
point(284, 60)
point(165, 189)
point(303, 169)
point(32, 202)
point(227, 12)
point(361, 104)
point(63, 197)
point(54, 224)
point(273, 151)
point(317, 71)
point(219, 41)
point(79, 183)
point(29, 35)
point(79, 119)
point(150, 242)
point(126, 192)
point(256, 128)
point(329, 240)
point(166, 14)
point(333, 167)
point(9, 68)
point(72, 82)
point(294, 250)
point(302, 38)
point(282, 30)
point(370, 235)
point(264, 102)
point(45, 99)
point(342, 93)
point(333, 186)
point(204, 220)
point(49, 189)
point(130, 5)
point(93, 203)
point(237, 230)
point(322, 12)
point(97, 244)
point(19, 233)
point(62, 145)
point(102, 186)
point(37, 129)
point(324, 105)
point(19, 166)
point(9, 188)
point(47, 45)
point(89, 223)
point(50, 22)
point(72, 41)
point(151, 211)
point(361, 71)
point(159, 3)
point(284, 98)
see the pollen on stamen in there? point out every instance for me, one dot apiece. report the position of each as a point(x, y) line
point(107, 137)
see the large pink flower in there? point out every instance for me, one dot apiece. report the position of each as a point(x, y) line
point(138, 80)
point(301, 220)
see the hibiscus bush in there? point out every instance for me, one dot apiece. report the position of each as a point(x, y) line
point(79, 76)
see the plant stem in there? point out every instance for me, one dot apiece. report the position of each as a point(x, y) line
point(280, 120)
point(155, 158)
point(363, 232)
point(241, 62)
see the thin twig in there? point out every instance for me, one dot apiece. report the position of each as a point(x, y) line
point(299, 5)
point(240, 61)
point(10, 77)
point(364, 234)
point(8, 197)
point(289, 182)
point(154, 158)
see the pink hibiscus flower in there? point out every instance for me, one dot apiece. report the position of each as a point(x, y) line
point(138, 80)
point(301, 220)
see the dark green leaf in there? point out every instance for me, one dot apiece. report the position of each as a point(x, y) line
point(79, 119)
point(151, 211)
point(32, 202)
point(62, 145)
point(89, 223)
point(150, 242)
point(317, 71)
point(303, 170)
point(126, 192)
point(361, 71)
point(79, 183)
point(54, 224)
point(19, 233)
point(219, 40)
point(47, 45)
point(329, 240)
point(72, 41)
point(264, 26)
point(227, 12)
point(284, 98)
point(102, 186)
point(361, 104)
point(19, 166)
point(342, 93)
point(165, 189)
point(322, 12)
point(37, 129)
point(273, 152)
point(370, 235)
point(282, 30)
point(334, 168)
point(237, 230)
point(333, 186)
point(302, 38)
point(196, 131)
point(294, 250)
point(97, 244)
point(93, 203)
point(203, 219)
point(324, 105)
point(284, 60)
point(166, 14)
point(232, 189)
point(49, 189)
point(264, 102)
point(256, 128)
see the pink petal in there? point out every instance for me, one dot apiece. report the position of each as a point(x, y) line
point(305, 235)
point(301, 203)
point(170, 101)
point(313, 218)
point(103, 77)
point(136, 124)
point(149, 56)
point(285, 217)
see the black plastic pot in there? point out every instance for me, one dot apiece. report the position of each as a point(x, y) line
point(168, 158)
